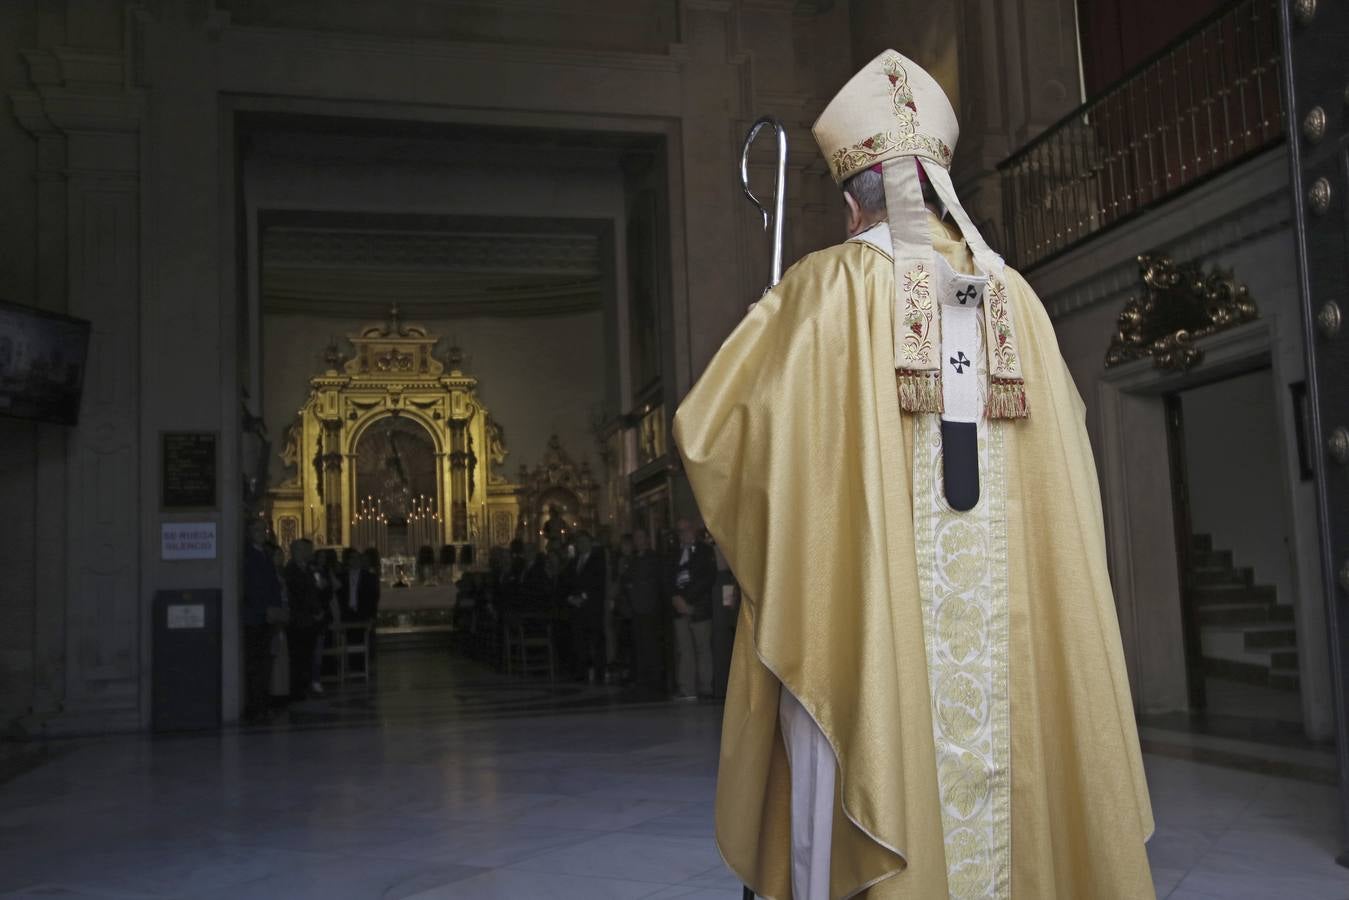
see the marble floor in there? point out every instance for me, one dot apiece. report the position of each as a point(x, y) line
point(446, 781)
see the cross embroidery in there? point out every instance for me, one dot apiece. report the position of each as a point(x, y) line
point(959, 362)
point(967, 295)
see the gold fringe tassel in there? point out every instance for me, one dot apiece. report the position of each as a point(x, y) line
point(919, 392)
point(1007, 399)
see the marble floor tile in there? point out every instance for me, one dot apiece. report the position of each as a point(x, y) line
point(635, 857)
point(419, 787)
point(488, 844)
point(513, 884)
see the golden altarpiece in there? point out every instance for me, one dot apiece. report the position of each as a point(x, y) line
point(393, 449)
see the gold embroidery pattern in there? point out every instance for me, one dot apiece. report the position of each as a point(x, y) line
point(848, 161)
point(963, 581)
point(1004, 352)
point(900, 95)
point(918, 316)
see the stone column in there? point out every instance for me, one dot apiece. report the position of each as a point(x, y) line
point(459, 481)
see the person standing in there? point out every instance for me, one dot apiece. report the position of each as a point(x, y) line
point(928, 696)
point(303, 587)
point(586, 582)
point(650, 616)
point(262, 611)
point(692, 583)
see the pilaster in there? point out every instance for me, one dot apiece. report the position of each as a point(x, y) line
point(88, 631)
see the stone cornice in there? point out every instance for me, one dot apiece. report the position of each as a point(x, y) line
point(498, 54)
point(570, 255)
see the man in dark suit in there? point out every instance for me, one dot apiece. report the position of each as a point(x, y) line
point(262, 612)
point(357, 589)
point(306, 617)
point(358, 597)
point(693, 581)
point(650, 615)
point(586, 584)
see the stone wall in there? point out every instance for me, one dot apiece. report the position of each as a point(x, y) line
point(122, 182)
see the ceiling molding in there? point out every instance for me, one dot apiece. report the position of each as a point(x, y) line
point(571, 255)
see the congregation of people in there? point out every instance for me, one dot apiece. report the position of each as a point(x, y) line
point(295, 607)
point(660, 619)
point(657, 618)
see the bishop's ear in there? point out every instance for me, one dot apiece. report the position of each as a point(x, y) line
point(854, 215)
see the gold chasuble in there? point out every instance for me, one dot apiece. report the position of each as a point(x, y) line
point(965, 667)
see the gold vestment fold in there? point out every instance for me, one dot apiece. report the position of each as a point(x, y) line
point(802, 463)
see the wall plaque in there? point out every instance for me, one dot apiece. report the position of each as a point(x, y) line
point(187, 540)
point(185, 615)
point(188, 470)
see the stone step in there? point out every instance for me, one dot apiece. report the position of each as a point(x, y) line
point(1211, 559)
point(1283, 659)
point(1234, 614)
point(1284, 679)
point(1235, 670)
point(1201, 542)
point(1233, 593)
point(1269, 637)
point(1280, 612)
point(1219, 576)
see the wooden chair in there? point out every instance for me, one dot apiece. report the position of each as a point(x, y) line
point(345, 640)
point(356, 642)
point(334, 648)
point(529, 646)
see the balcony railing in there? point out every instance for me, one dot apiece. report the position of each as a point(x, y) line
point(1205, 103)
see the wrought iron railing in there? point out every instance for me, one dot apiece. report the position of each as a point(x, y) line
point(1206, 102)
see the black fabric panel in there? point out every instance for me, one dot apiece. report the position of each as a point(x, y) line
point(960, 464)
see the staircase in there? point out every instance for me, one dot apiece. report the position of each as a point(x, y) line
point(1246, 634)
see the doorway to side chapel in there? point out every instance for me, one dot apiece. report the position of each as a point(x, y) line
point(1238, 584)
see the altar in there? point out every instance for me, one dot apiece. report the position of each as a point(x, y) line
point(394, 451)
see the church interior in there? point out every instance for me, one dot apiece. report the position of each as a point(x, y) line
point(395, 304)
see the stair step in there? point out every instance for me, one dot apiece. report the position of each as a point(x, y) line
point(1233, 593)
point(1234, 614)
point(1280, 613)
point(1272, 637)
point(1284, 679)
point(1283, 659)
point(1211, 559)
point(1218, 576)
point(1201, 542)
point(1232, 670)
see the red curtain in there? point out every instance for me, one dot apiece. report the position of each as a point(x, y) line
point(1118, 35)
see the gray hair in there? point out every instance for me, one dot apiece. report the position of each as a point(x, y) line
point(867, 187)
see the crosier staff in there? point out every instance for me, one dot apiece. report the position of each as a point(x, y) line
point(779, 192)
point(774, 218)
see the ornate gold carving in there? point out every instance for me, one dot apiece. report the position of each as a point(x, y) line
point(1318, 196)
point(1304, 11)
point(1314, 124)
point(1328, 319)
point(394, 376)
point(557, 496)
point(1180, 306)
